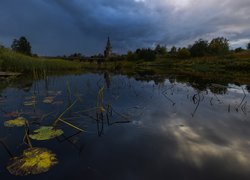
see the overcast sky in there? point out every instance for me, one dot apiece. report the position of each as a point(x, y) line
point(57, 27)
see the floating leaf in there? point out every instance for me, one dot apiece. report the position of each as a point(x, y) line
point(46, 133)
point(29, 103)
point(48, 100)
point(32, 161)
point(30, 97)
point(55, 93)
point(18, 122)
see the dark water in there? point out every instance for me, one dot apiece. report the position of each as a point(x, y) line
point(166, 130)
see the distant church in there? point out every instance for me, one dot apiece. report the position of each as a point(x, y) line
point(108, 49)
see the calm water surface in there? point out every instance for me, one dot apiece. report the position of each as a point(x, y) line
point(166, 130)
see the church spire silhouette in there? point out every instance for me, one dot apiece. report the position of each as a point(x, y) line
point(108, 49)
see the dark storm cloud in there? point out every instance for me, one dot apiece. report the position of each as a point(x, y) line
point(63, 27)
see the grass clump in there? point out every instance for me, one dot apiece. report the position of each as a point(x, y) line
point(15, 62)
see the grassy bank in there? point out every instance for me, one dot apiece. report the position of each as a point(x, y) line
point(236, 63)
point(15, 62)
point(232, 62)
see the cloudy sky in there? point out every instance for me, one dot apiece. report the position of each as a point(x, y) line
point(57, 27)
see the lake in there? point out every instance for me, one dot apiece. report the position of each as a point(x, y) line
point(135, 127)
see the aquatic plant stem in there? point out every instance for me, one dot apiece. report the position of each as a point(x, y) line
point(71, 125)
point(66, 110)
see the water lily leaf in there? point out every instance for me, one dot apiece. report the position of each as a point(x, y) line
point(30, 97)
point(55, 93)
point(48, 100)
point(18, 122)
point(29, 103)
point(32, 161)
point(46, 133)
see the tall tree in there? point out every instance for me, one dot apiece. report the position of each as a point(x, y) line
point(145, 54)
point(248, 46)
point(161, 50)
point(183, 53)
point(219, 46)
point(173, 50)
point(199, 48)
point(22, 46)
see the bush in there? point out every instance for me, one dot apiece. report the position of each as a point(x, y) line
point(199, 49)
point(219, 46)
point(237, 50)
point(248, 46)
point(183, 53)
point(22, 46)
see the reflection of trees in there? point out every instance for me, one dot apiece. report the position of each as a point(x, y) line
point(198, 83)
point(107, 79)
point(24, 83)
point(218, 90)
point(248, 88)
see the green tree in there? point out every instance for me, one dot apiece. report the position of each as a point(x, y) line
point(248, 46)
point(219, 46)
point(1, 46)
point(183, 53)
point(130, 56)
point(160, 50)
point(22, 46)
point(239, 49)
point(199, 48)
point(173, 51)
point(146, 54)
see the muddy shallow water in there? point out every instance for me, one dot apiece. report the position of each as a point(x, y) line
point(166, 130)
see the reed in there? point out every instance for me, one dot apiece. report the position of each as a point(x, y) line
point(15, 62)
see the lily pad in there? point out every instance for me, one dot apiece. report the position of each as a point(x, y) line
point(55, 93)
point(29, 103)
point(18, 122)
point(46, 133)
point(48, 100)
point(32, 161)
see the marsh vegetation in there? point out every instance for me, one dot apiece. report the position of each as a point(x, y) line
point(84, 121)
point(82, 118)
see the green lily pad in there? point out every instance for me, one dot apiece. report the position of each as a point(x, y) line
point(46, 133)
point(48, 100)
point(29, 103)
point(18, 122)
point(32, 161)
point(54, 93)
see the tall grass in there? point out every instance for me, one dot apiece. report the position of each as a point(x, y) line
point(15, 62)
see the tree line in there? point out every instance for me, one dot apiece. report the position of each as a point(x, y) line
point(216, 47)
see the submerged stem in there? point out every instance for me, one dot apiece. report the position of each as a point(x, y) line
point(71, 125)
point(66, 110)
